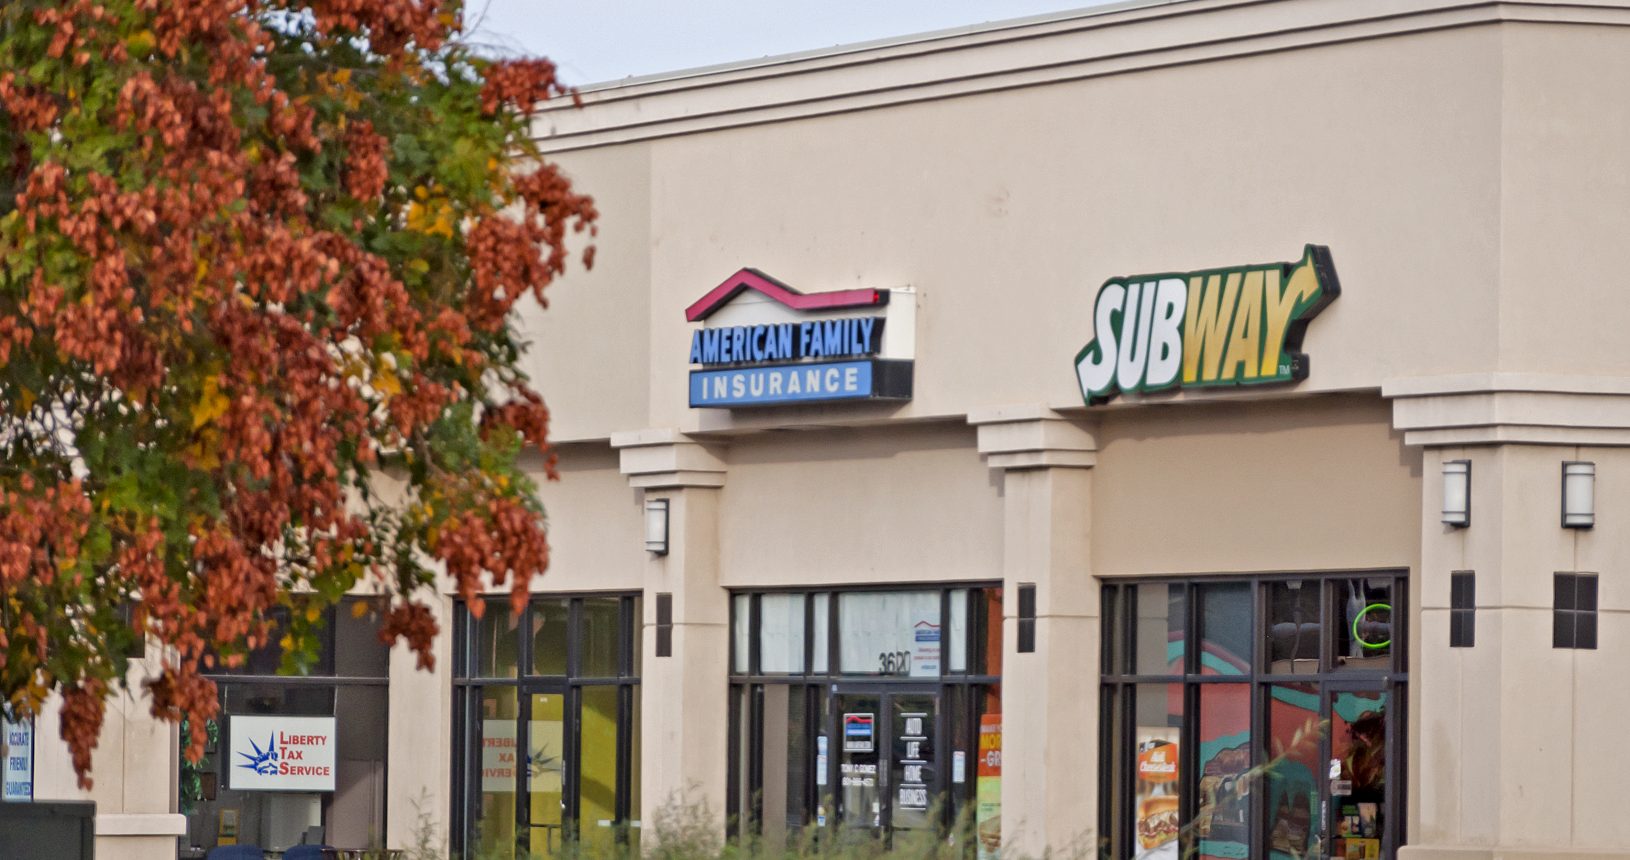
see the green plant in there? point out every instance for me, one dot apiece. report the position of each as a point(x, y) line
point(191, 773)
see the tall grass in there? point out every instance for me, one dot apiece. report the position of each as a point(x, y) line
point(684, 830)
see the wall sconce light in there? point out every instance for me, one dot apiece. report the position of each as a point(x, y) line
point(1578, 495)
point(656, 526)
point(1457, 493)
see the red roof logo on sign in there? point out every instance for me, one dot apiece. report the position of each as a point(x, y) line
point(753, 279)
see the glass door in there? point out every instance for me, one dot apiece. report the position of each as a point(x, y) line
point(861, 773)
point(887, 758)
point(543, 808)
point(1360, 738)
point(913, 768)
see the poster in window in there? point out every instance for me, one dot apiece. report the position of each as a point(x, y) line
point(1157, 813)
point(859, 732)
point(17, 759)
point(499, 756)
point(988, 787)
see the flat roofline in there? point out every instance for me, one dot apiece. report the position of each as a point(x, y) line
point(1099, 41)
point(993, 26)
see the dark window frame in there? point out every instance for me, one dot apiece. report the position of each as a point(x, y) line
point(226, 680)
point(1462, 609)
point(1118, 683)
point(748, 688)
point(1574, 621)
point(467, 690)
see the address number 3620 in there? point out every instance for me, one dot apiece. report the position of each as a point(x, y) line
point(894, 662)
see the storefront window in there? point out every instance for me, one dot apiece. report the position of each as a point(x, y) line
point(956, 645)
point(1226, 622)
point(1278, 737)
point(820, 650)
point(549, 636)
point(889, 633)
point(1294, 627)
point(603, 637)
point(1364, 639)
point(889, 741)
point(345, 696)
point(496, 642)
point(548, 750)
point(1292, 798)
point(741, 633)
point(781, 634)
point(598, 766)
point(1159, 616)
point(1224, 758)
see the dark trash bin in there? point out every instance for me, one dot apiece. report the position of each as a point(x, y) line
point(59, 829)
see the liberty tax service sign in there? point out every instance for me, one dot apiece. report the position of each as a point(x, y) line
point(282, 753)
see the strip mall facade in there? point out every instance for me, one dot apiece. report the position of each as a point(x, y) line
point(965, 555)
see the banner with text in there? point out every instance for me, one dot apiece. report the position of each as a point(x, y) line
point(17, 760)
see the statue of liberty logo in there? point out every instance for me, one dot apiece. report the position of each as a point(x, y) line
point(261, 761)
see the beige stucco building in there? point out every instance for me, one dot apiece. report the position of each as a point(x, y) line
point(1134, 604)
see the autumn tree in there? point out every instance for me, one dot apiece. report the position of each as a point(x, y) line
point(257, 257)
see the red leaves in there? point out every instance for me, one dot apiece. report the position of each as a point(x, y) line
point(391, 24)
point(513, 256)
point(82, 709)
point(31, 108)
point(40, 530)
point(236, 315)
point(499, 541)
point(526, 415)
point(365, 168)
point(414, 623)
point(520, 85)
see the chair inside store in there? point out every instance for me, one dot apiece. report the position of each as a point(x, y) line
point(308, 852)
point(236, 852)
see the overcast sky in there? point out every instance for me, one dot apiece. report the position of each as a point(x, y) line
point(603, 40)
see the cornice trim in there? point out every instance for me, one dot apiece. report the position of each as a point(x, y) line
point(664, 458)
point(1031, 436)
point(1005, 56)
point(1511, 408)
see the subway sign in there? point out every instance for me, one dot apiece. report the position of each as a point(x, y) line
point(1235, 326)
point(763, 343)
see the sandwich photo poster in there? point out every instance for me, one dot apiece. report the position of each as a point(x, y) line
point(1158, 771)
point(1157, 803)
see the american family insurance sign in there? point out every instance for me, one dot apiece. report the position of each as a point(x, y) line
point(281, 753)
point(763, 343)
point(1241, 325)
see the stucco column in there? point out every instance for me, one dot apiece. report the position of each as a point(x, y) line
point(1049, 699)
point(1517, 746)
point(684, 715)
point(134, 766)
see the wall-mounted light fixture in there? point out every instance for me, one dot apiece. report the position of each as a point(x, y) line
point(656, 526)
point(1578, 495)
point(1457, 493)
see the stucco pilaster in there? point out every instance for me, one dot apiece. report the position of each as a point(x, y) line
point(1511, 750)
point(684, 696)
point(1049, 703)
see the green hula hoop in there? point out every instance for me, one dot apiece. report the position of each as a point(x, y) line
point(1360, 617)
